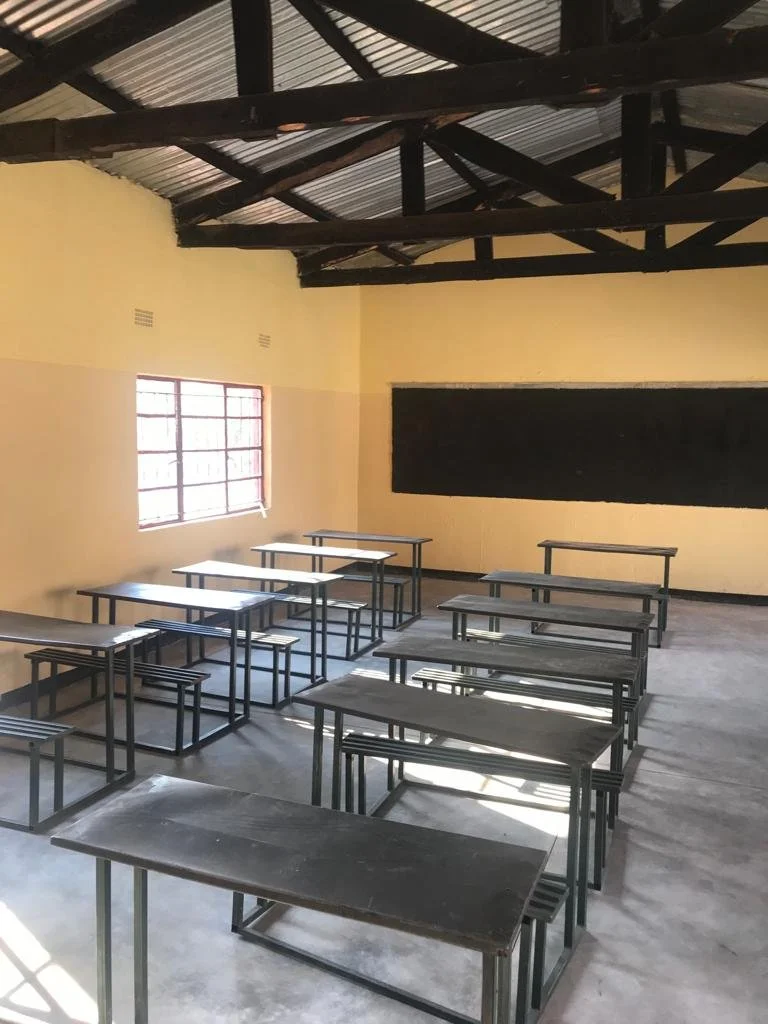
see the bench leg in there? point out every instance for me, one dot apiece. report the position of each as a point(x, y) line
point(104, 940)
point(180, 701)
point(539, 956)
point(494, 1006)
point(358, 620)
point(348, 640)
point(58, 774)
point(34, 786)
point(287, 674)
point(196, 707)
point(34, 686)
point(390, 762)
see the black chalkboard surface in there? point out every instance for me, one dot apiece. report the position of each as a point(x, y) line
point(664, 446)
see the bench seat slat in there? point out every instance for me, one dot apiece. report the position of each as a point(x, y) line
point(220, 633)
point(165, 673)
point(32, 730)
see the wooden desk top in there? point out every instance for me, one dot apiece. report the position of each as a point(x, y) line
point(356, 554)
point(550, 662)
point(20, 628)
point(236, 571)
point(374, 538)
point(586, 584)
point(179, 597)
point(621, 549)
point(459, 889)
point(548, 734)
point(557, 614)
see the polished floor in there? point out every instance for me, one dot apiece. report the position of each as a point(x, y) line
point(679, 934)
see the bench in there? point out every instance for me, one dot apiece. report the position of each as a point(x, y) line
point(398, 592)
point(352, 608)
point(181, 680)
point(360, 746)
point(35, 735)
point(462, 681)
point(276, 642)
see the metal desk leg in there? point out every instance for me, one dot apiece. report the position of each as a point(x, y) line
point(338, 730)
point(140, 936)
point(109, 716)
point(312, 633)
point(381, 601)
point(58, 774)
point(547, 569)
point(34, 785)
point(374, 601)
point(247, 667)
point(572, 856)
point(524, 974)
point(324, 630)
point(495, 994)
point(130, 724)
point(617, 748)
point(94, 676)
point(415, 589)
point(586, 807)
point(104, 940)
point(666, 592)
point(233, 669)
point(317, 757)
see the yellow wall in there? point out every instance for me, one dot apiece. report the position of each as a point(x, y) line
point(81, 250)
point(692, 326)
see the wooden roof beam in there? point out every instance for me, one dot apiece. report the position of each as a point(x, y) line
point(720, 56)
point(625, 215)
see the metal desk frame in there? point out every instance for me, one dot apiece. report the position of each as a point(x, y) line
point(269, 555)
point(319, 594)
point(416, 544)
point(234, 720)
point(617, 549)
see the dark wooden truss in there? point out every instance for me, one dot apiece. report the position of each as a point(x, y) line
point(607, 51)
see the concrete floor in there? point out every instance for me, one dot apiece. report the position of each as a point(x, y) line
point(679, 934)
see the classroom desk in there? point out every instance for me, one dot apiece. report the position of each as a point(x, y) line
point(415, 543)
point(237, 607)
point(375, 559)
point(617, 549)
point(315, 582)
point(593, 668)
point(42, 631)
point(552, 735)
point(636, 624)
point(465, 891)
point(539, 581)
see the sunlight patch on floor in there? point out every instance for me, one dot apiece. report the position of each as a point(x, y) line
point(30, 979)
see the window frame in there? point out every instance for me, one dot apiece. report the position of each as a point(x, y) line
point(179, 519)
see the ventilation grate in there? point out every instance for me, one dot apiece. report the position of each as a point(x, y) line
point(265, 341)
point(143, 318)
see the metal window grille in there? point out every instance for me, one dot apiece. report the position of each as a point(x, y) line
point(200, 449)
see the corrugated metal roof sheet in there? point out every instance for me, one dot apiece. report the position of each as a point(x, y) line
point(195, 61)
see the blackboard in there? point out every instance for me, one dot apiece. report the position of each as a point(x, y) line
point(666, 446)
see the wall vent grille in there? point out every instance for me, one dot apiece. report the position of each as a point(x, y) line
point(265, 341)
point(143, 318)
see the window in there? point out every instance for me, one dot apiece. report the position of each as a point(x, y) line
point(200, 448)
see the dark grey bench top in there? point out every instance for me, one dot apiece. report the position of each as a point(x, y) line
point(311, 550)
point(374, 538)
point(459, 889)
point(619, 549)
point(236, 571)
point(572, 583)
point(20, 628)
point(545, 662)
point(549, 734)
point(558, 614)
point(180, 597)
